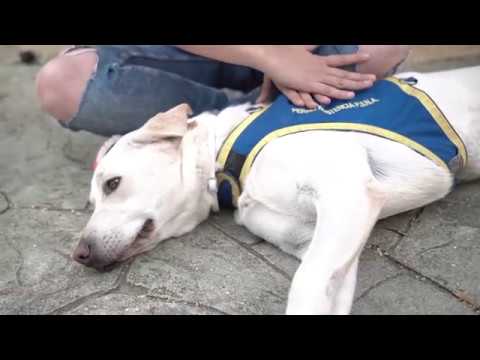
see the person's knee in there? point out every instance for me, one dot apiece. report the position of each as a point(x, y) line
point(384, 59)
point(61, 83)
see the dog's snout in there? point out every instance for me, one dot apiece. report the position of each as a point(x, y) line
point(83, 252)
point(86, 253)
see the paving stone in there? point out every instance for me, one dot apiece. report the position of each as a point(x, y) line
point(461, 207)
point(286, 263)
point(4, 205)
point(122, 304)
point(204, 267)
point(406, 295)
point(37, 275)
point(444, 251)
point(224, 221)
point(373, 270)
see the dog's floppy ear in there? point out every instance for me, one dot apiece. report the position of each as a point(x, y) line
point(167, 126)
point(104, 149)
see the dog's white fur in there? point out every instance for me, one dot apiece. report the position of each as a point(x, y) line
point(316, 195)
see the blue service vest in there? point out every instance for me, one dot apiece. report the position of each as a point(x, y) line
point(392, 108)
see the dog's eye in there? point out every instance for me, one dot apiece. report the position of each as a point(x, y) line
point(111, 185)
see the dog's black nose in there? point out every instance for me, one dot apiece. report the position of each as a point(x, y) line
point(82, 253)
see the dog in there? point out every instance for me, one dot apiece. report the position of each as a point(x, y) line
point(314, 194)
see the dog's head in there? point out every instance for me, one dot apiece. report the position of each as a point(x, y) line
point(148, 186)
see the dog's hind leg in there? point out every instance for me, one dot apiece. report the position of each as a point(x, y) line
point(347, 210)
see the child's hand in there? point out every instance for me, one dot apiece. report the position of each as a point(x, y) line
point(304, 77)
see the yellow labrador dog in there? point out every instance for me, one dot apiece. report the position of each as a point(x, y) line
point(314, 194)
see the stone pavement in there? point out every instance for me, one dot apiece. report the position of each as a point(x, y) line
point(423, 262)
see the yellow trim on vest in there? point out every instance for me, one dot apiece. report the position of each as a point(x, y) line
point(232, 137)
point(336, 126)
point(436, 113)
point(233, 183)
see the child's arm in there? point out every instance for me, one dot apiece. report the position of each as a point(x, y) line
point(293, 68)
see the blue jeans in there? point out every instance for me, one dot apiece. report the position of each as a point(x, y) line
point(132, 83)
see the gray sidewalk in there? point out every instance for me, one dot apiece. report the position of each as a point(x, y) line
point(423, 262)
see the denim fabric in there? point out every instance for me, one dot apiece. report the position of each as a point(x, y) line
point(132, 83)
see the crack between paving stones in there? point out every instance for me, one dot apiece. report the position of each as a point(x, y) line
point(53, 208)
point(283, 299)
point(123, 287)
point(167, 300)
point(11, 206)
point(395, 231)
point(42, 297)
point(374, 286)
point(7, 200)
point(19, 268)
point(68, 144)
point(474, 306)
point(436, 247)
point(127, 288)
point(79, 302)
point(49, 140)
point(402, 235)
point(252, 251)
point(255, 242)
